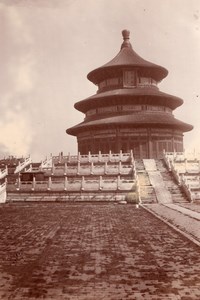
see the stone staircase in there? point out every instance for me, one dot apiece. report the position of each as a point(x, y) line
point(175, 190)
point(147, 193)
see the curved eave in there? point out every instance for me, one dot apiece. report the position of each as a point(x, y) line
point(127, 58)
point(134, 95)
point(161, 120)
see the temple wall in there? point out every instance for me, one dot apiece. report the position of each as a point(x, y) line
point(145, 142)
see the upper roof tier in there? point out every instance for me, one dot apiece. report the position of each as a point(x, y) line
point(134, 96)
point(127, 58)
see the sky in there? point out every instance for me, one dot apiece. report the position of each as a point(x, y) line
point(47, 48)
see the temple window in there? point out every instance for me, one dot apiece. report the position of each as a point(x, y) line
point(147, 81)
point(110, 82)
point(129, 78)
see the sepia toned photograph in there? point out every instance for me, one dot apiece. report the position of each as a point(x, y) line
point(100, 149)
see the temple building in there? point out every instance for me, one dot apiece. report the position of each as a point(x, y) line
point(129, 112)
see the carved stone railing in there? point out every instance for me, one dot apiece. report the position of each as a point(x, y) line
point(3, 173)
point(90, 169)
point(187, 190)
point(3, 193)
point(27, 161)
point(95, 158)
point(76, 184)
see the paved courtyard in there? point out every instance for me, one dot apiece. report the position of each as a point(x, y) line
point(92, 252)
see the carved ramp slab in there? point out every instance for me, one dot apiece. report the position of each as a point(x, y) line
point(156, 180)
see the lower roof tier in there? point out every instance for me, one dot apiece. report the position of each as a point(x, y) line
point(132, 120)
point(150, 96)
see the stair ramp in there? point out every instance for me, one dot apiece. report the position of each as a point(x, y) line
point(156, 180)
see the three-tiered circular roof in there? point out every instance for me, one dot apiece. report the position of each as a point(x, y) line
point(127, 58)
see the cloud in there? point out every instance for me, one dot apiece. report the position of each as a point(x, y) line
point(23, 75)
point(18, 77)
point(15, 135)
point(38, 3)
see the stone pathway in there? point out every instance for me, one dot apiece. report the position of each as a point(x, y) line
point(184, 219)
point(93, 252)
point(191, 206)
point(185, 211)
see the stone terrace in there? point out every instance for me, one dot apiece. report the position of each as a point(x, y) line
point(93, 251)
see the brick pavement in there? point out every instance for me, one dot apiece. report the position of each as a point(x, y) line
point(93, 251)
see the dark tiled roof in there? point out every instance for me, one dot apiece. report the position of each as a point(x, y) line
point(134, 120)
point(151, 95)
point(127, 57)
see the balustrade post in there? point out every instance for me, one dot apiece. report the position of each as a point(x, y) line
point(110, 155)
point(18, 183)
point(105, 167)
point(100, 182)
point(65, 169)
point(60, 157)
point(78, 167)
point(120, 167)
point(33, 184)
point(99, 156)
point(120, 155)
point(82, 183)
point(49, 183)
point(52, 169)
point(79, 156)
point(89, 156)
point(118, 182)
point(66, 183)
point(138, 192)
point(132, 157)
point(92, 168)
